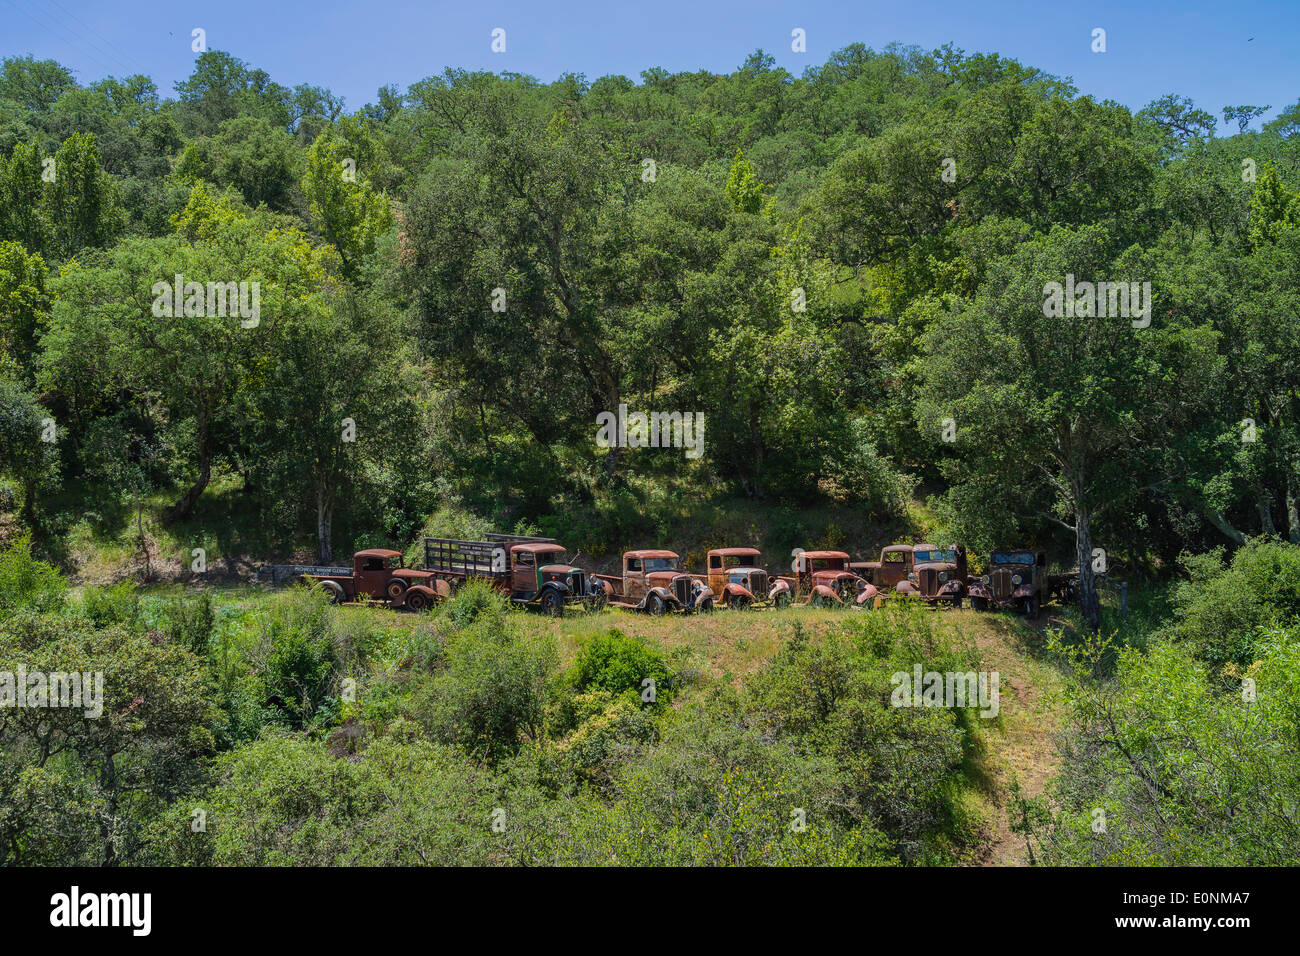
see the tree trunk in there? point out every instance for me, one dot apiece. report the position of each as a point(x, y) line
point(1264, 504)
point(1293, 505)
point(185, 506)
point(1089, 603)
point(324, 523)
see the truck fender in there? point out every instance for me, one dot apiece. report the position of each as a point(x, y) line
point(1024, 591)
point(905, 587)
point(781, 586)
point(981, 591)
point(826, 592)
point(952, 587)
point(432, 595)
point(867, 595)
point(739, 591)
point(560, 586)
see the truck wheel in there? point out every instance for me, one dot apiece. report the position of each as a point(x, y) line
point(395, 589)
point(654, 605)
point(782, 599)
point(418, 602)
point(979, 604)
point(740, 603)
point(704, 605)
point(1031, 608)
point(595, 603)
point(333, 590)
point(552, 604)
point(956, 602)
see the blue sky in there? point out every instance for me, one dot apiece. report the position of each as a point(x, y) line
point(1197, 48)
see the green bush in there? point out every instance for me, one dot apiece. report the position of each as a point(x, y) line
point(1221, 611)
point(492, 693)
point(119, 604)
point(616, 663)
point(26, 583)
point(298, 675)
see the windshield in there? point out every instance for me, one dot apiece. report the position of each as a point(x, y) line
point(550, 557)
point(661, 564)
point(935, 557)
point(1013, 557)
point(827, 564)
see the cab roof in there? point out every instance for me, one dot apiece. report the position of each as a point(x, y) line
point(536, 548)
point(889, 549)
point(650, 553)
point(811, 555)
point(378, 553)
point(737, 552)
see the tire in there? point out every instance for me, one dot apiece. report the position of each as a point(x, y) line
point(704, 605)
point(956, 602)
point(782, 599)
point(333, 590)
point(819, 600)
point(740, 603)
point(595, 603)
point(552, 604)
point(654, 605)
point(417, 602)
point(979, 604)
point(395, 589)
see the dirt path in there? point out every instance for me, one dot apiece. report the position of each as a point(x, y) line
point(1023, 746)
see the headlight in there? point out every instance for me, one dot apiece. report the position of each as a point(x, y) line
point(943, 576)
point(1016, 579)
point(984, 579)
point(911, 576)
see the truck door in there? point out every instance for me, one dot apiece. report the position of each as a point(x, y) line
point(717, 575)
point(634, 588)
point(894, 566)
point(524, 582)
point(371, 576)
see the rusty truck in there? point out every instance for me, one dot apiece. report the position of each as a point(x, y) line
point(533, 571)
point(824, 579)
point(737, 580)
point(653, 581)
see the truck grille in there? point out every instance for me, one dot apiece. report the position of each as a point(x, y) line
point(577, 583)
point(682, 589)
point(759, 581)
point(929, 581)
point(1001, 585)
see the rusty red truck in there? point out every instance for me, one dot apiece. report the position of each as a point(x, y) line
point(376, 574)
point(738, 581)
point(653, 581)
point(824, 579)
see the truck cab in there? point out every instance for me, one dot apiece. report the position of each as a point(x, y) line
point(894, 566)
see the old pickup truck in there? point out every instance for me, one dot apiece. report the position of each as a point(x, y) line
point(738, 581)
point(936, 575)
point(823, 579)
point(1016, 577)
point(653, 581)
point(532, 570)
point(376, 574)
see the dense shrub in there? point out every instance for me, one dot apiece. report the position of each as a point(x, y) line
point(617, 663)
point(1222, 611)
point(26, 583)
